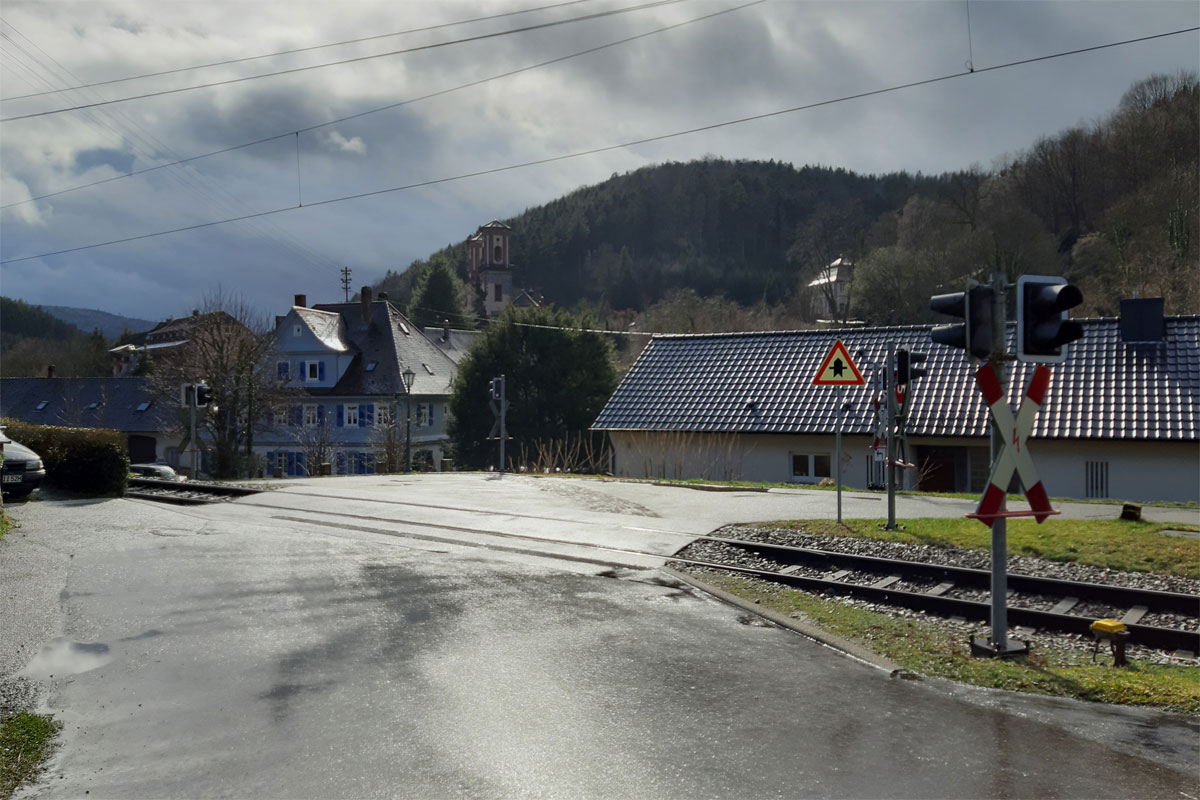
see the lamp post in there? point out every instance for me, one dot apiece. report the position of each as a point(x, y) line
point(408, 375)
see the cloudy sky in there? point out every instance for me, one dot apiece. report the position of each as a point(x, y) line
point(752, 60)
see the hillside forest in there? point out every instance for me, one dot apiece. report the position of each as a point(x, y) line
point(715, 245)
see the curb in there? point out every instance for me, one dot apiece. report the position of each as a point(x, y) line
point(806, 629)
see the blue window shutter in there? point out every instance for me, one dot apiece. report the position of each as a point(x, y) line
point(320, 370)
point(297, 416)
point(362, 416)
point(341, 416)
point(291, 463)
point(301, 469)
point(321, 414)
point(370, 413)
point(431, 406)
point(283, 370)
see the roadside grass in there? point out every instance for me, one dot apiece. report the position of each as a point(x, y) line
point(26, 741)
point(937, 652)
point(1111, 544)
point(5, 523)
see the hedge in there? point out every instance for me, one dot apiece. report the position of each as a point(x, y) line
point(86, 460)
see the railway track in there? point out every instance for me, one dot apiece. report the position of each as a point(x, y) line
point(184, 493)
point(1161, 620)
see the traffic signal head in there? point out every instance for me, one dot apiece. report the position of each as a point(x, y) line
point(907, 368)
point(974, 333)
point(495, 387)
point(203, 395)
point(1043, 329)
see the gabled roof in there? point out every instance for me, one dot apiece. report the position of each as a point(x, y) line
point(494, 224)
point(329, 328)
point(457, 346)
point(762, 383)
point(68, 403)
point(389, 341)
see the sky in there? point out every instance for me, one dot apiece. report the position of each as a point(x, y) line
point(377, 191)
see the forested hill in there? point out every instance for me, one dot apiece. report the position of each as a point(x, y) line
point(1113, 204)
point(717, 227)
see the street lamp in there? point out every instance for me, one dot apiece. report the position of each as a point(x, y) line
point(408, 375)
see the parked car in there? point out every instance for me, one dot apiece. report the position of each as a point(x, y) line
point(23, 469)
point(160, 471)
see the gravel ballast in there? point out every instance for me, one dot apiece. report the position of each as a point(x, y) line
point(719, 552)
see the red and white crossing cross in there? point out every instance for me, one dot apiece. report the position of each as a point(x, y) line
point(1014, 456)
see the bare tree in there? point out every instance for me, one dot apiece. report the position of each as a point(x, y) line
point(317, 444)
point(227, 347)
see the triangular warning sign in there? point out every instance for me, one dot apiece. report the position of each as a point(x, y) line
point(838, 369)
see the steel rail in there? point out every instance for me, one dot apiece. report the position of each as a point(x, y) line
point(1118, 596)
point(183, 492)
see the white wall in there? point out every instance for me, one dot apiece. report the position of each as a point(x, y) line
point(1142, 471)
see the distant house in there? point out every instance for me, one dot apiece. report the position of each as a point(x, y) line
point(167, 339)
point(345, 362)
point(453, 342)
point(831, 288)
point(122, 404)
point(1120, 419)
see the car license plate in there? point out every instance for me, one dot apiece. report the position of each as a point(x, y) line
point(13, 478)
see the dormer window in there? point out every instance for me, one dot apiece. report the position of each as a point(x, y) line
point(41, 406)
point(143, 406)
point(370, 366)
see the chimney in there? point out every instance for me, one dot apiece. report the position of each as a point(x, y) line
point(365, 294)
point(1142, 320)
point(195, 312)
point(445, 330)
point(383, 297)
point(301, 301)
point(49, 370)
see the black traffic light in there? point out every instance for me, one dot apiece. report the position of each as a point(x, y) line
point(496, 388)
point(907, 368)
point(203, 395)
point(974, 333)
point(1043, 329)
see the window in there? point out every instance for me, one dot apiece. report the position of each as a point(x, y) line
point(1095, 479)
point(93, 406)
point(41, 406)
point(297, 329)
point(810, 467)
point(370, 366)
point(284, 369)
point(499, 254)
point(499, 293)
point(310, 414)
point(352, 416)
point(422, 419)
point(383, 415)
point(143, 406)
point(314, 370)
point(281, 418)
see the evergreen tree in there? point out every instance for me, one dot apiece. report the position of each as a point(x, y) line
point(438, 297)
point(557, 381)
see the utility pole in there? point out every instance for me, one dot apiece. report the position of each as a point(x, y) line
point(346, 282)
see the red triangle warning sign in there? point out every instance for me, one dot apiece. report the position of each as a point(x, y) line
point(838, 369)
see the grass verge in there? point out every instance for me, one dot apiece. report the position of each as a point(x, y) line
point(935, 651)
point(26, 741)
point(1111, 544)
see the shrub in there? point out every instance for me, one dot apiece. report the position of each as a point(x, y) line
point(87, 460)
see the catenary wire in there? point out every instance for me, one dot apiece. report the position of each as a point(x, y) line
point(144, 143)
point(357, 59)
point(388, 107)
point(623, 145)
point(296, 50)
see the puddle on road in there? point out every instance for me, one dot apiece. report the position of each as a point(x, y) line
point(59, 657)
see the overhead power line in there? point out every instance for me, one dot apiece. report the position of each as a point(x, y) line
point(357, 59)
point(623, 145)
point(244, 59)
point(431, 95)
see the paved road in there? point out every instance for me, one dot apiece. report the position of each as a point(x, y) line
point(375, 637)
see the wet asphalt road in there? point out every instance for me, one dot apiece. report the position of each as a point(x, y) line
point(369, 638)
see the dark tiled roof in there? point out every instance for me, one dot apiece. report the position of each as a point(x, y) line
point(762, 383)
point(68, 400)
point(392, 343)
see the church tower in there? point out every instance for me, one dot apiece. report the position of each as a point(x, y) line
point(491, 268)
